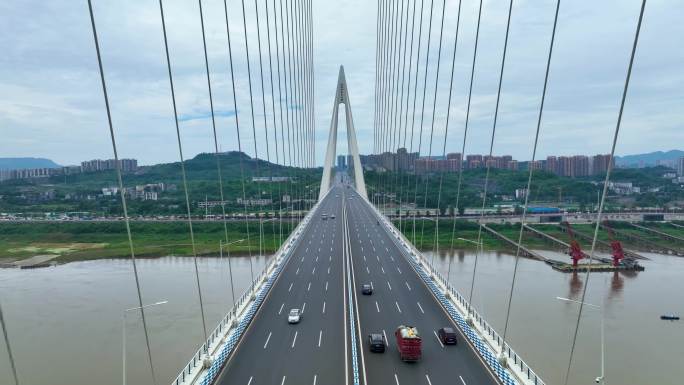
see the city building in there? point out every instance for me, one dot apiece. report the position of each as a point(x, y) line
point(341, 162)
point(680, 166)
point(600, 163)
point(127, 165)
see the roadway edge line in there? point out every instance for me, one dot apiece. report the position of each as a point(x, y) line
point(403, 252)
point(257, 312)
point(356, 305)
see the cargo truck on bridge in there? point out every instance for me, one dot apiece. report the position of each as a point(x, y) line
point(409, 343)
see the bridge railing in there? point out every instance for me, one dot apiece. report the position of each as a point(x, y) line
point(230, 328)
point(224, 324)
point(518, 362)
point(520, 370)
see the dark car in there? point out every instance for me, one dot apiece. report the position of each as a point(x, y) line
point(376, 343)
point(447, 336)
point(366, 289)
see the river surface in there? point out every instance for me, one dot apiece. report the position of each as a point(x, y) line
point(65, 322)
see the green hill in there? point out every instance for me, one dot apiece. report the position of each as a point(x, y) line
point(83, 192)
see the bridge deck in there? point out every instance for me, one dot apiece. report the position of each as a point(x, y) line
point(317, 350)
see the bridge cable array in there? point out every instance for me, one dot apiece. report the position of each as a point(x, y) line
point(300, 127)
point(605, 185)
point(120, 183)
point(390, 62)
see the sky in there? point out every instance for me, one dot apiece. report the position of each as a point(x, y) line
point(51, 102)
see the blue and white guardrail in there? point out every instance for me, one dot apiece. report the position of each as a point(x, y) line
point(483, 337)
point(207, 362)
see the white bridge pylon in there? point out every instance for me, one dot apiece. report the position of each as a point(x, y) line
point(342, 97)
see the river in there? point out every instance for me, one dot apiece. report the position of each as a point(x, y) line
point(65, 322)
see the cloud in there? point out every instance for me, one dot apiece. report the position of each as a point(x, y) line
point(52, 106)
point(205, 115)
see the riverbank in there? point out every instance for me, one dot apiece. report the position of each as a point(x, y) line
point(464, 235)
point(78, 241)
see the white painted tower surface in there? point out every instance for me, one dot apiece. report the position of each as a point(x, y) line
point(342, 97)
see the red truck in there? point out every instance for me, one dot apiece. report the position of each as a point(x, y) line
point(408, 342)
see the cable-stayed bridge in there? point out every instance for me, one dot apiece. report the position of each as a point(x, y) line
point(342, 240)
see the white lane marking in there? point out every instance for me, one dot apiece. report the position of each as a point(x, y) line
point(303, 307)
point(396, 379)
point(373, 248)
point(399, 270)
point(302, 259)
point(283, 381)
point(388, 285)
point(323, 307)
point(361, 248)
point(367, 271)
point(331, 249)
point(438, 340)
point(319, 249)
point(377, 306)
point(383, 269)
point(428, 379)
point(462, 380)
point(407, 285)
point(364, 258)
point(385, 335)
point(297, 272)
point(290, 289)
point(377, 257)
point(316, 259)
point(314, 383)
point(328, 269)
point(387, 249)
point(330, 258)
point(308, 288)
point(398, 308)
point(320, 335)
point(371, 283)
point(267, 339)
point(313, 271)
point(250, 380)
point(281, 308)
point(420, 307)
point(293, 344)
point(392, 258)
point(326, 285)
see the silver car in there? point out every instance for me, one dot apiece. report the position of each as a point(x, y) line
point(294, 317)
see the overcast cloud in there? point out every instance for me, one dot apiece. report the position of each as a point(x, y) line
point(51, 101)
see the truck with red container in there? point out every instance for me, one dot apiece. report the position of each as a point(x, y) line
point(409, 343)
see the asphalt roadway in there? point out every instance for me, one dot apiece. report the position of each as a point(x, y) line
point(316, 351)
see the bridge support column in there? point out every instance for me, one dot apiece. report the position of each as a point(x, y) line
point(342, 97)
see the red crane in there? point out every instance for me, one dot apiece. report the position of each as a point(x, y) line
point(615, 245)
point(575, 249)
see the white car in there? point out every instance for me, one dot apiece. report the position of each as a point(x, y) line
point(294, 316)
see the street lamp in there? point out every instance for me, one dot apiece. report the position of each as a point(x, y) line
point(480, 246)
point(602, 377)
point(230, 269)
point(422, 235)
point(123, 343)
point(261, 233)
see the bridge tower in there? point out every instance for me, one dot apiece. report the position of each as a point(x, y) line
point(342, 97)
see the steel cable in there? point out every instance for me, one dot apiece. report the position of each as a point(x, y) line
point(422, 118)
point(491, 147)
point(121, 193)
point(605, 185)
